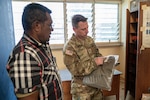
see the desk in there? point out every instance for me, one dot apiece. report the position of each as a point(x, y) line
point(115, 85)
point(66, 84)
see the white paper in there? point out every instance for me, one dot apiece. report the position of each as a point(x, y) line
point(146, 27)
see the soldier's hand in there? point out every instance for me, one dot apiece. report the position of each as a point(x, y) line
point(99, 60)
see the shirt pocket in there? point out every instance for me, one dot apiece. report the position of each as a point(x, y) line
point(83, 53)
point(51, 91)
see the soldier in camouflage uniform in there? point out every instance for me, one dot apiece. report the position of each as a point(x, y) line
point(81, 57)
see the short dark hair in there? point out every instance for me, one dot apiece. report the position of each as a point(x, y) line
point(34, 12)
point(77, 18)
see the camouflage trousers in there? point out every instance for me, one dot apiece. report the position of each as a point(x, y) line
point(97, 95)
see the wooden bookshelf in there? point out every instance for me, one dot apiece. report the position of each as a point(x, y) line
point(137, 69)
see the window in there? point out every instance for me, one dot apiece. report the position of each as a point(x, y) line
point(79, 8)
point(103, 20)
point(106, 23)
point(57, 35)
point(17, 13)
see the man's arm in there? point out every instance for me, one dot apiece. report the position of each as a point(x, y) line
point(27, 69)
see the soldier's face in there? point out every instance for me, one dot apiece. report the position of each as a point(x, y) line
point(82, 30)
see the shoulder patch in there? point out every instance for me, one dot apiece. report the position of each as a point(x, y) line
point(69, 52)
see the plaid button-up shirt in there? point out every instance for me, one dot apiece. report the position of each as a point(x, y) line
point(31, 67)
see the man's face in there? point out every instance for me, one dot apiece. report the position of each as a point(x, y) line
point(82, 30)
point(46, 29)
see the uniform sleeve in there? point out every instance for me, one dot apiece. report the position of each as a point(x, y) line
point(95, 50)
point(24, 71)
point(78, 63)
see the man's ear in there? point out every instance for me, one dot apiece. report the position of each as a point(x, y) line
point(36, 26)
point(74, 29)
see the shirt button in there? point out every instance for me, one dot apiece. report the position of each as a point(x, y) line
point(30, 90)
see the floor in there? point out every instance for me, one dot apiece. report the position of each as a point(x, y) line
point(122, 95)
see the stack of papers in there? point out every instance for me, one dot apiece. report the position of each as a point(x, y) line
point(116, 59)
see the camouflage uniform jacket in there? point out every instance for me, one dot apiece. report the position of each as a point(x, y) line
point(79, 59)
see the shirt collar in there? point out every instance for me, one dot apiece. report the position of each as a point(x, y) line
point(34, 41)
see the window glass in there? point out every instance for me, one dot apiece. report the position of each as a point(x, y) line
point(17, 18)
point(103, 20)
point(106, 23)
point(57, 36)
point(79, 8)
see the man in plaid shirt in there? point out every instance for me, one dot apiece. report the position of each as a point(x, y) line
point(31, 65)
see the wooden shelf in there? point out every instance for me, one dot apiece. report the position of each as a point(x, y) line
point(137, 62)
point(131, 51)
